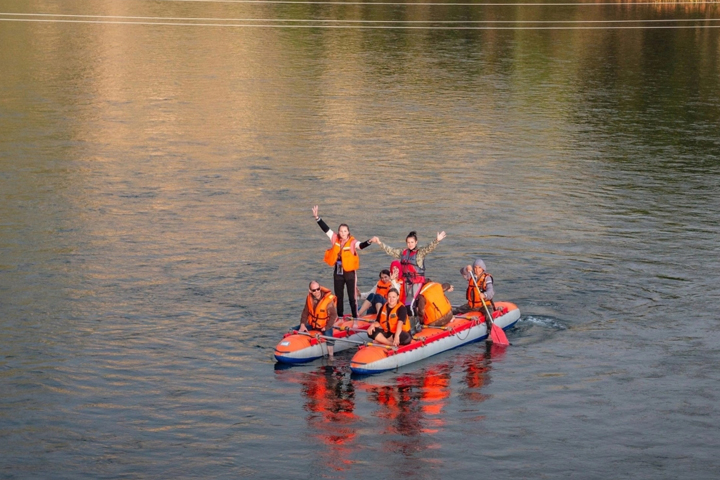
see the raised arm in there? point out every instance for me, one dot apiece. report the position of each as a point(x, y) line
point(422, 251)
point(321, 223)
point(393, 252)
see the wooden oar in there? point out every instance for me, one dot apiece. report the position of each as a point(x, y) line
point(496, 334)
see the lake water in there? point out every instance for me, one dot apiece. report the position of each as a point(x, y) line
point(156, 178)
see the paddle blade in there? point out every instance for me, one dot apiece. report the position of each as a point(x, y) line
point(498, 336)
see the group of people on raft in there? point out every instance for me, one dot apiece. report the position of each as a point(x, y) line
point(403, 300)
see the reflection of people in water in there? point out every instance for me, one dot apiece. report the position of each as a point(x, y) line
point(413, 408)
point(330, 403)
point(476, 367)
point(434, 394)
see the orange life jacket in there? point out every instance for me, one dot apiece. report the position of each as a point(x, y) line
point(389, 319)
point(344, 252)
point(472, 295)
point(434, 394)
point(318, 314)
point(383, 288)
point(436, 303)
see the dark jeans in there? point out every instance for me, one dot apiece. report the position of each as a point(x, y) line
point(375, 298)
point(346, 280)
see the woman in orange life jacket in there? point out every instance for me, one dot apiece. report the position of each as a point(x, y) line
point(391, 327)
point(319, 312)
point(412, 261)
point(432, 306)
point(342, 256)
point(477, 301)
point(376, 298)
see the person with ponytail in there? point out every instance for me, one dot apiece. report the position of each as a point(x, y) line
point(342, 256)
point(412, 262)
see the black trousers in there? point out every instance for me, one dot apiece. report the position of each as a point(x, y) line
point(345, 280)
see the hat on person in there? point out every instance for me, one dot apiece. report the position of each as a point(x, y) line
point(479, 263)
point(396, 263)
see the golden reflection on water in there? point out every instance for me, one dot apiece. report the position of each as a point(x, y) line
point(156, 179)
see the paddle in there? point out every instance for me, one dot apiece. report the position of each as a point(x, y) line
point(308, 334)
point(496, 334)
point(369, 344)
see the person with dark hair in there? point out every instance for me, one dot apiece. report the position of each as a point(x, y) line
point(376, 298)
point(343, 257)
point(392, 325)
point(412, 261)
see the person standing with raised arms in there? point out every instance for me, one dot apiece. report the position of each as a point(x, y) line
point(343, 257)
point(412, 262)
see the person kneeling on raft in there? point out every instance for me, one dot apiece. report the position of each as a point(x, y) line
point(480, 291)
point(432, 306)
point(392, 326)
point(320, 312)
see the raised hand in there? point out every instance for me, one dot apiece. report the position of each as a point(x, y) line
point(315, 212)
point(440, 236)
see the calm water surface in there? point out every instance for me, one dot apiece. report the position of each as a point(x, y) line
point(156, 237)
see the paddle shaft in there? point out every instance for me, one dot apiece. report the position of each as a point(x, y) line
point(369, 344)
point(308, 334)
point(482, 297)
point(490, 324)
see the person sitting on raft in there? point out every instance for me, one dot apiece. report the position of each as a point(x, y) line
point(412, 261)
point(343, 257)
point(396, 278)
point(432, 306)
point(391, 326)
point(376, 298)
point(480, 291)
point(320, 312)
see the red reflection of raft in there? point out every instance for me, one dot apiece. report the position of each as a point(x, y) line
point(431, 341)
point(298, 348)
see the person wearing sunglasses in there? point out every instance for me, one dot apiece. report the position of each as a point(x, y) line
point(320, 312)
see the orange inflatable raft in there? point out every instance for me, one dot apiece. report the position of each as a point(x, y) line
point(432, 340)
point(297, 347)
